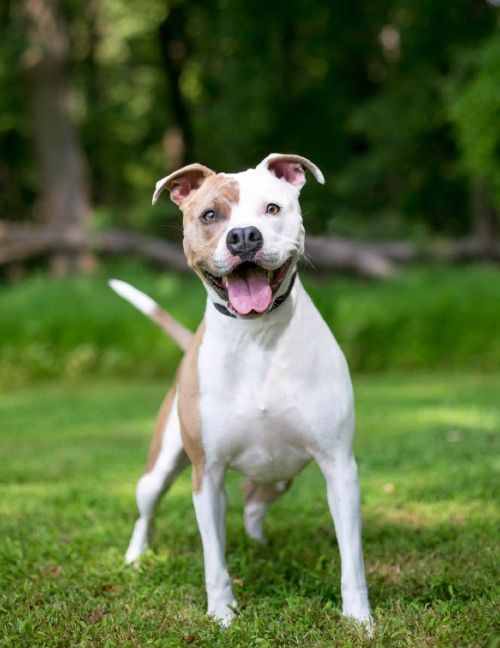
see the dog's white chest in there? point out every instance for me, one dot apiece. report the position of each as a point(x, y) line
point(264, 432)
point(263, 402)
point(252, 419)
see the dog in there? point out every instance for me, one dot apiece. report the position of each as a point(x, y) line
point(263, 388)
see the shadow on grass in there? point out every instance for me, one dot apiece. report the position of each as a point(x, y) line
point(418, 566)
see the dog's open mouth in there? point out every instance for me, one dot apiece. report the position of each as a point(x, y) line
point(249, 288)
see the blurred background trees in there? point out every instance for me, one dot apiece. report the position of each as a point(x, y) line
point(398, 101)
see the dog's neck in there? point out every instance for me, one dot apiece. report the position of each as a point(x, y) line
point(261, 331)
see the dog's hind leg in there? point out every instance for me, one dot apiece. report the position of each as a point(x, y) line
point(166, 460)
point(258, 497)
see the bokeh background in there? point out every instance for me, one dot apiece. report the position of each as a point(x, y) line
point(397, 101)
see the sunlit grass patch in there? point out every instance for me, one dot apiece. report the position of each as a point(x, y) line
point(71, 455)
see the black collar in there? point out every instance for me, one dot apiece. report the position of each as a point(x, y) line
point(277, 302)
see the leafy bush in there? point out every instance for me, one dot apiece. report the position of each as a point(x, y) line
point(426, 318)
point(478, 94)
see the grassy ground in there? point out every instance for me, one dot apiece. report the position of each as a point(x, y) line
point(71, 454)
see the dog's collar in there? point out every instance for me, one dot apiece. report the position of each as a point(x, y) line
point(277, 302)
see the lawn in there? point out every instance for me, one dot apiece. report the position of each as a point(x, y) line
point(72, 451)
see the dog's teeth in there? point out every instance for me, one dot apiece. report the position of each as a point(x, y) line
point(224, 281)
point(270, 274)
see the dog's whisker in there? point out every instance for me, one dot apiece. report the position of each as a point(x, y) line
point(307, 260)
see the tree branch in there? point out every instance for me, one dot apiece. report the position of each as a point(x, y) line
point(371, 260)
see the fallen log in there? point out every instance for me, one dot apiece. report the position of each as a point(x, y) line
point(464, 250)
point(22, 242)
point(125, 242)
point(347, 256)
point(445, 250)
point(371, 260)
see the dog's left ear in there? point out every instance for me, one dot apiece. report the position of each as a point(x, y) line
point(291, 168)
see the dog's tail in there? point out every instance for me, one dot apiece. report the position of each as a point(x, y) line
point(179, 333)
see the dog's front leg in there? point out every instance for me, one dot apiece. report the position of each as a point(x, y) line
point(341, 475)
point(210, 507)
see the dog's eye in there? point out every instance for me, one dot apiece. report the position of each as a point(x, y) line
point(273, 208)
point(209, 216)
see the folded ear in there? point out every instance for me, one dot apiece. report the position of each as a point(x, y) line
point(291, 168)
point(182, 182)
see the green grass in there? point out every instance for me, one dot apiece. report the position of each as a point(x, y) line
point(425, 318)
point(71, 454)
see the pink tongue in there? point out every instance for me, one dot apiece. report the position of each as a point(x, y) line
point(251, 293)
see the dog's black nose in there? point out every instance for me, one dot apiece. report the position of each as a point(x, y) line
point(244, 242)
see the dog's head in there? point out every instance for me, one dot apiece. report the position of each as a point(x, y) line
point(243, 232)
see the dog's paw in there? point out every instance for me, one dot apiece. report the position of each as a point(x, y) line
point(133, 554)
point(138, 542)
point(223, 613)
point(356, 607)
point(257, 535)
point(364, 621)
point(361, 617)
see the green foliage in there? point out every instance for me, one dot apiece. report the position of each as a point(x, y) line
point(79, 326)
point(71, 455)
point(427, 318)
point(408, 150)
point(361, 89)
point(475, 112)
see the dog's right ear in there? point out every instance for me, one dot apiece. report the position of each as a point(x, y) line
point(182, 182)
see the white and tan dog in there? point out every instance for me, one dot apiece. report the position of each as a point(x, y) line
point(264, 387)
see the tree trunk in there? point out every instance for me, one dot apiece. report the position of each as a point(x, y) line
point(484, 218)
point(63, 199)
point(174, 48)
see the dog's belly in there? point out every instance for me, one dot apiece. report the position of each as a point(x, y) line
point(260, 465)
point(267, 454)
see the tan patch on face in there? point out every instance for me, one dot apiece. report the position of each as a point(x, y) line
point(161, 423)
point(189, 409)
point(220, 193)
point(264, 493)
